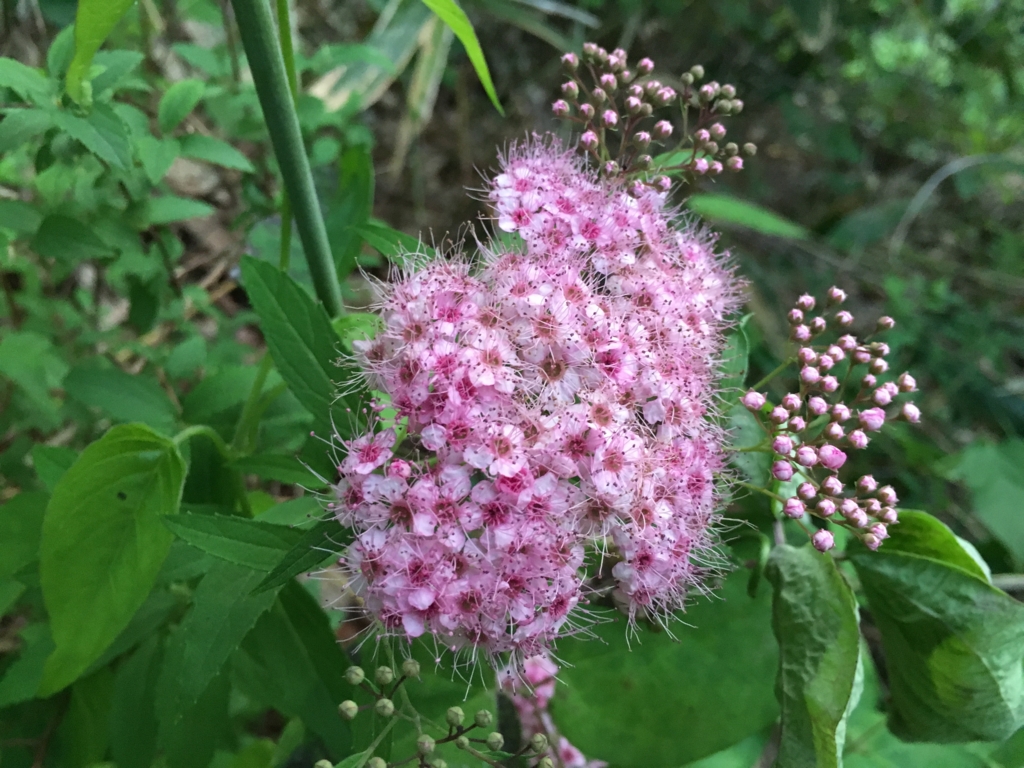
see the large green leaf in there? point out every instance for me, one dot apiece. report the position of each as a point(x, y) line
point(451, 14)
point(122, 396)
point(249, 543)
point(51, 462)
point(133, 723)
point(21, 679)
point(192, 739)
point(745, 432)
point(221, 616)
point(94, 20)
point(22, 125)
point(694, 697)
point(953, 643)
point(101, 132)
point(27, 82)
point(814, 615)
point(103, 543)
point(216, 151)
point(351, 207)
point(724, 209)
point(21, 525)
point(68, 240)
point(316, 545)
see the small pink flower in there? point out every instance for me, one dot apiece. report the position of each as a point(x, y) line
point(368, 452)
point(831, 457)
point(872, 419)
point(823, 540)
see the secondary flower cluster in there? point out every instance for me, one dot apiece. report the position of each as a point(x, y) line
point(557, 398)
point(619, 100)
point(811, 430)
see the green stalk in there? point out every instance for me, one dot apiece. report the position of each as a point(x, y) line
point(284, 33)
point(256, 28)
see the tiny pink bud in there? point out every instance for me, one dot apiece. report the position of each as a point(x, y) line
point(791, 401)
point(823, 540)
point(873, 506)
point(861, 356)
point(886, 323)
point(872, 419)
point(633, 105)
point(836, 353)
point(702, 136)
point(879, 366)
point(801, 333)
point(737, 106)
point(871, 541)
point(910, 412)
point(809, 375)
point(399, 468)
point(879, 348)
point(587, 112)
point(795, 317)
point(560, 108)
point(782, 470)
point(844, 318)
point(858, 439)
point(826, 507)
point(717, 130)
point(891, 388)
point(805, 302)
point(888, 515)
point(609, 118)
point(806, 355)
point(867, 484)
point(641, 138)
point(793, 508)
point(818, 325)
point(571, 90)
point(829, 383)
point(906, 383)
point(663, 183)
point(806, 491)
point(832, 485)
point(644, 66)
point(589, 140)
point(881, 397)
point(840, 413)
point(847, 343)
point(860, 519)
point(609, 82)
point(831, 457)
point(570, 61)
point(734, 164)
point(753, 400)
point(700, 166)
point(806, 456)
point(868, 381)
point(817, 406)
point(599, 96)
point(879, 530)
point(611, 168)
point(665, 96)
point(662, 130)
point(887, 496)
point(715, 168)
point(797, 424)
point(834, 431)
point(848, 507)
point(836, 295)
point(783, 444)
point(779, 415)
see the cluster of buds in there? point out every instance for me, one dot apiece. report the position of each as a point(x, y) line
point(462, 734)
point(619, 100)
point(841, 400)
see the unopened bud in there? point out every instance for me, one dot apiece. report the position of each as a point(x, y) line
point(483, 718)
point(570, 90)
point(701, 137)
point(818, 325)
point(348, 709)
point(887, 496)
point(384, 707)
point(753, 400)
point(871, 541)
point(705, 94)
point(858, 439)
point(462, 742)
point(589, 141)
point(806, 491)
point(729, 91)
point(734, 164)
point(454, 716)
point(354, 675)
point(609, 83)
point(834, 431)
point(800, 333)
point(539, 742)
point(868, 381)
point(782, 470)
point(779, 415)
point(783, 445)
point(599, 96)
point(825, 507)
point(643, 162)
point(665, 96)
point(495, 741)
point(376, 762)
point(662, 130)
point(825, 362)
point(835, 296)
point(806, 456)
point(906, 383)
point(644, 66)
point(885, 323)
point(732, 149)
point(609, 118)
point(831, 457)
point(844, 318)
point(823, 540)
point(686, 78)
point(722, 107)
point(545, 762)
point(797, 424)
point(560, 108)
point(590, 51)
point(711, 148)
point(737, 106)
point(717, 131)
point(642, 139)
point(425, 745)
point(791, 401)
point(633, 105)
point(411, 668)
point(817, 405)
point(697, 71)
point(793, 508)
point(571, 62)
point(832, 485)
point(910, 412)
point(587, 112)
point(384, 675)
point(646, 110)
point(750, 149)
point(323, 764)
point(829, 383)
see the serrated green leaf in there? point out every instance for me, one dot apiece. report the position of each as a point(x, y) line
point(94, 20)
point(122, 396)
point(390, 242)
point(193, 738)
point(451, 14)
point(32, 362)
point(187, 357)
point(19, 216)
point(68, 241)
point(133, 722)
point(103, 543)
point(157, 156)
point(815, 620)
point(351, 206)
point(694, 697)
point(21, 679)
point(22, 125)
point(113, 68)
point(284, 469)
point(177, 102)
point(248, 543)
point(213, 150)
point(222, 614)
point(745, 432)
point(952, 641)
point(21, 526)
point(724, 209)
point(51, 462)
point(319, 543)
point(101, 133)
point(27, 82)
point(170, 208)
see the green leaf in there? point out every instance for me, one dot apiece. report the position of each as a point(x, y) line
point(357, 326)
point(21, 526)
point(10, 591)
point(192, 739)
point(19, 216)
point(351, 207)
point(186, 358)
point(94, 20)
point(255, 545)
point(745, 432)
point(62, 50)
point(177, 102)
point(735, 360)
point(133, 722)
point(112, 69)
point(122, 396)
point(51, 462)
point(451, 14)
point(952, 641)
point(32, 362)
point(319, 543)
point(21, 126)
point(694, 697)
point(724, 209)
point(170, 208)
point(27, 82)
point(82, 737)
point(21, 680)
point(68, 241)
point(221, 616)
point(212, 150)
point(390, 242)
point(102, 133)
point(284, 469)
point(157, 156)
point(814, 616)
point(150, 617)
point(103, 543)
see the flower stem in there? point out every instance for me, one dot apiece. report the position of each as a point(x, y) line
point(782, 366)
point(256, 29)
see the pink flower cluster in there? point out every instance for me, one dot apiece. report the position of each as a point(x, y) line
point(558, 399)
point(811, 430)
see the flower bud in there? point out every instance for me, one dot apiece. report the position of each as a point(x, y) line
point(783, 444)
point(906, 383)
point(643, 162)
point(885, 323)
point(831, 457)
point(384, 675)
point(376, 762)
point(462, 742)
point(795, 316)
point(879, 366)
point(836, 353)
point(800, 333)
point(737, 106)
point(867, 484)
point(829, 383)
point(633, 105)
point(881, 397)
point(806, 491)
point(705, 94)
point(662, 130)
point(817, 406)
point(834, 431)
point(840, 412)
point(400, 468)
point(354, 675)
point(560, 108)
point(888, 515)
point(697, 71)
point(849, 508)
point(454, 716)
point(348, 709)
point(910, 412)
point(589, 141)
point(825, 507)
point(732, 149)
point(384, 707)
point(835, 295)
point(642, 139)
point(411, 668)
point(609, 118)
point(571, 62)
point(323, 764)
point(809, 375)
point(844, 318)
point(823, 540)
point(646, 111)
point(702, 136)
point(872, 419)
point(818, 325)
point(806, 456)
point(797, 424)
point(753, 400)
point(791, 401)
point(644, 66)
point(495, 741)
point(793, 508)
point(832, 485)
point(483, 718)
point(879, 530)
point(700, 166)
point(805, 355)
point(587, 112)
point(868, 381)
point(825, 362)
point(717, 131)
point(779, 415)
point(750, 149)
point(590, 51)
point(570, 90)
point(425, 745)
point(722, 107)
point(651, 87)
point(871, 541)
point(872, 506)
point(545, 762)
point(663, 183)
point(598, 96)
point(611, 168)
point(734, 164)
point(847, 343)
point(887, 496)
point(539, 742)
point(805, 302)
point(665, 96)
point(609, 83)
point(858, 439)
point(861, 355)
point(782, 470)
point(686, 78)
